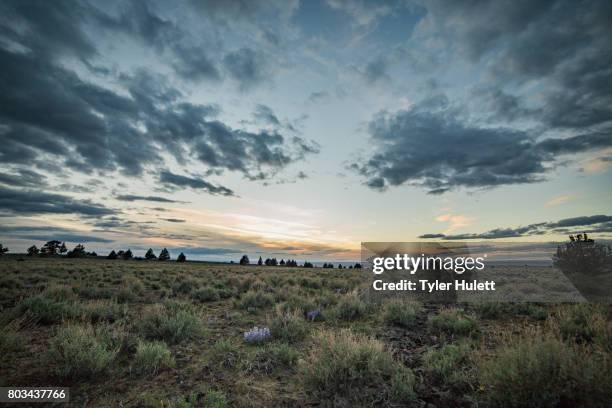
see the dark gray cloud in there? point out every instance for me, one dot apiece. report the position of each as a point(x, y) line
point(53, 117)
point(376, 70)
point(23, 178)
point(436, 150)
point(589, 224)
point(172, 181)
point(248, 67)
point(131, 197)
point(38, 202)
point(266, 115)
point(176, 220)
point(562, 43)
point(43, 233)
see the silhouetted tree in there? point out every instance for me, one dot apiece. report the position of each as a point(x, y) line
point(3, 250)
point(357, 266)
point(112, 255)
point(339, 266)
point(127, 255)
point(307, 265)
point(50, 248)
point(33, 250)
point(282, 262)
point(164, 255)
point(62, 249)
point(244, 260)
point(260, 262)
point(181, 258)
point(150, 254)
point(77, 252)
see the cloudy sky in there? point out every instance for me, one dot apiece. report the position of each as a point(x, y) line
point(301, 128)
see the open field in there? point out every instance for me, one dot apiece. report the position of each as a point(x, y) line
point(167, 334)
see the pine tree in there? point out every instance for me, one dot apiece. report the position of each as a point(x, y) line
point(33, 250)
point(3, 250)
point(164, 255)
point(282, 262)
point(112, 255)
point(244, 260)
point(150, 254)
point(181, 258)
point(260, 262)
point(127, 255)
point(62, 248)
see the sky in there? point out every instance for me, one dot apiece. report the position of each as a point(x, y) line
point(299, 129)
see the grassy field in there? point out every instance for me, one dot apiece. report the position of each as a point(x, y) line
point(166, 334)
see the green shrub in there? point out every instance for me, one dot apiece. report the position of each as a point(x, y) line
point(350, 307)
point(453, 322)
point(46, 310)
point(401, 313)
point(80, 351)
point(449, 364)
point(271, 357)
point(103, 310)
point(126, 295)
point(206, 294)
point(346, 368)
point(171, 323)
point(288, 326)
point(215, 399)
point(545, 372)
point(255, 299)
point(151, 357)
point(224, 354)
point(579, 323)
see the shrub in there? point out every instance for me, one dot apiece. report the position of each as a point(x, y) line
point(355, 369)
point(80, 351)
point(255, 299)
point(151, 357)
point(350, 307)
point(206, 294)
point(47, 311)
point(401, 313)
point(224, 354)
point(103, 310)
point(449, 364)
point(545, 372)
point(215, 399)
point(271, 357)
point(288, 326)
point(171, 323)
point(579, 323)
point(453, 322)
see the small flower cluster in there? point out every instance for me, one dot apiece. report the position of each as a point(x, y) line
point(313, 315)
point(257, 335)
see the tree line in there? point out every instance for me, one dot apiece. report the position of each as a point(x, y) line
point(291, 263)
point(58, 248)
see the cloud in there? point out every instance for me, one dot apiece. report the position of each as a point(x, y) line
point(102, 122)
point(589, 224)
point(437, 150)
point(175, 220)
point(563, 45)
point(558, 200)
point(23, 178)
point(157, 199)
point(318, 97)
point(173, 181)
point(266, 115)
point(376, 70)
point(363, 13)
point(248, 67)
point(43, 233)
point(39, 202)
